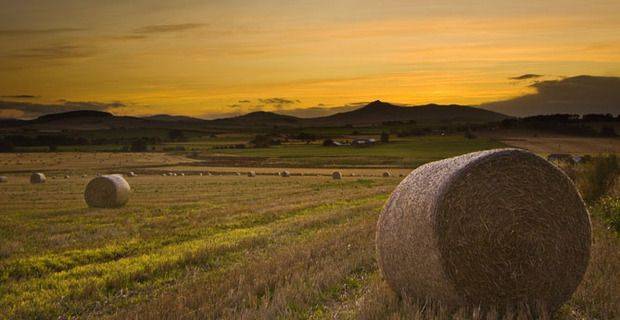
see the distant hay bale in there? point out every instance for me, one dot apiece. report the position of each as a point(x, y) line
point(4, 179)
point(164, 175)
point(132, 174)
point(387, 174)
point(251, 174)
point(237, 173)
point(494, 228)
point(337, 175)
point(67, 176)
point(200, 174)
point(108, 191)
point(182, 174)
point(285, 174)
point(37, 177)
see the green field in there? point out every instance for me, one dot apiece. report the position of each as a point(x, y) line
point(406, 152)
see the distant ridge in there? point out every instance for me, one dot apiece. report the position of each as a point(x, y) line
point(374, 113)
point(378, 112)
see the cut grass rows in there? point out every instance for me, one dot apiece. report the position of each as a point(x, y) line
point(93, 281)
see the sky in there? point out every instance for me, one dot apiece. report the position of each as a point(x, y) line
point(219, 58)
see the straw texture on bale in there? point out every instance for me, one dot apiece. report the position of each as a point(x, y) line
point(337, 175)
point(108, 191)
point(497, 228)
point(37, 177)
point(4, 179)
point(251, 174)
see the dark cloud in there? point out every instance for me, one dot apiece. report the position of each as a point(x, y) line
point(167, 28)
point(20, 96)
point(28, 32)
point(234, 106)
point(33, 110)
point(576, 95)
point(321, 110)
point(278, 101)
point(244, 101)
point(526, 76)
point(54, 52)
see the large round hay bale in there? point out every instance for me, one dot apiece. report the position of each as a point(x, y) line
point(108, 191)
point(285, 174)
point(252, 174)
point(494, 228)
point(337, 175)
point(4, 179)
point(37, 177)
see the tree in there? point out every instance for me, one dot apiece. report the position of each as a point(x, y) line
point(176, 135)
point(385, 137)
point(608, 131)
point(139, 145)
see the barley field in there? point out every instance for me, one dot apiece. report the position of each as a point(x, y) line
point(223, 247)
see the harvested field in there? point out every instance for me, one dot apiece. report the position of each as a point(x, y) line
point(84, 162)
point(560, 144)
point(219, 247)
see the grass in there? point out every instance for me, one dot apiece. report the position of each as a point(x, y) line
point(226, 247)
point(406, 152)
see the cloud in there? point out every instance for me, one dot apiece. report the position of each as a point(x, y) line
point(575, 95)
point(28, 32)
point(168, 28)
point(526, 76)
point(52, 52)
point(33, 110)
point(244, 101)
point(20, 96)
point(279, 101)
point(321, 110)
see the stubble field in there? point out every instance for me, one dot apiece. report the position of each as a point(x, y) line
point(217, 247)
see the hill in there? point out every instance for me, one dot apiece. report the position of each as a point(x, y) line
point(257, 119)
point(374, 113)
point(378, 112)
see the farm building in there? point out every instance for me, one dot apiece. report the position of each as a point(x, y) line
point(363, 142)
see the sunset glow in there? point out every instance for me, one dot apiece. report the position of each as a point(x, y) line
point(215, 58)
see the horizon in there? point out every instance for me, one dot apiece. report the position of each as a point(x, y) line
point(212, 60)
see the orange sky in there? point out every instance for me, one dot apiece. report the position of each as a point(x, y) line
point(203, 57)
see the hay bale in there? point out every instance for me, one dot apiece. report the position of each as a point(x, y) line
point(493, 228)
point(251, 174)
point(108, 191)
point(182, 174)
point(337, 175)
point(37, 177)
point(4, 179)
point(387, 174)
point(201, 174)
point(132, 174)
point(67, 177)
point(285, 174)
